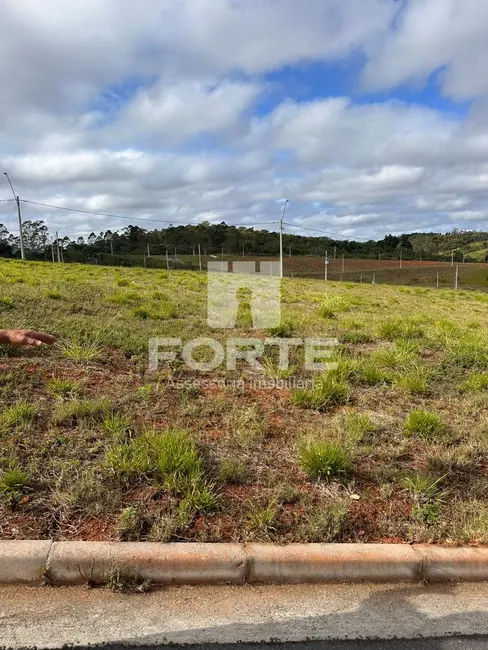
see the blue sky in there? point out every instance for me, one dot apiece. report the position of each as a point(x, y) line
point(370, 116)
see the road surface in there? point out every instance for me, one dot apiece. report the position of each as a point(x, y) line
point(49, 617)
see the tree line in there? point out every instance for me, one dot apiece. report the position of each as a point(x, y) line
point(133, 244)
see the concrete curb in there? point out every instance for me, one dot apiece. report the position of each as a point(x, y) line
point(73, 563)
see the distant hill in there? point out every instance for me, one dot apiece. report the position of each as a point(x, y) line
point(471, 244)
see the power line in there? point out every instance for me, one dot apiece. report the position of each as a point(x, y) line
point(118, 216)
point(325, 232)
point(7, 200)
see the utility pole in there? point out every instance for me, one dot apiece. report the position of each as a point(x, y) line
point(343, 263)
point(374, 279)
point(19, 214)
point(167, 259)
point(199, 257)
point(148, 251)
point(437, 281)
point(401, 259)
point(290, 251)
point(281, 238)
point(334, 252)
point(52, 250)
point(57, 247)
point(456, 279)
point(243, 254)
point(111, 247)
point(452, 258)
point(326, 267)
point(175, 255)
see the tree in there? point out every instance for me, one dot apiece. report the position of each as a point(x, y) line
point(5, 248)
point(36, 235)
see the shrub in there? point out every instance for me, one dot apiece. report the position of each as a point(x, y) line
point(425, 424)
point(323, 460)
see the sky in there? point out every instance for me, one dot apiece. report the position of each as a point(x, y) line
point(369, 116)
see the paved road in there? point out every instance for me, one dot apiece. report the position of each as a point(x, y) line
point(44, 617)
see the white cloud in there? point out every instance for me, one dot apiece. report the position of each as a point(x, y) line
point(173, 113)
point(434, 35)
point(103, 103)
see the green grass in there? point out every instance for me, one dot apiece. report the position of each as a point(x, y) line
point(17, 415)
point(81, 350)
point(74, 410)
point(328, 392)
point(64, 387)
point(322, 460)
point(13, 482)
point(425, 425)
point(476, 382)
point(111, 450)
point(415, 381)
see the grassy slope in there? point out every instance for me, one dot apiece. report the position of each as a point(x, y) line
point(84, 448)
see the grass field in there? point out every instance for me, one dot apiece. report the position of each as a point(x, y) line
point(390, 446)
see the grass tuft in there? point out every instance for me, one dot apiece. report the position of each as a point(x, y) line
point(20, 413)
point(74, 410)
point(327, 392)
point(425, 425)
point(323, 460)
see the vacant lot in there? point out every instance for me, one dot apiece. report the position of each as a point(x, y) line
point(390, 446)
point(411, 272)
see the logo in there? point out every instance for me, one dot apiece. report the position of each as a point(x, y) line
point(225, 294)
